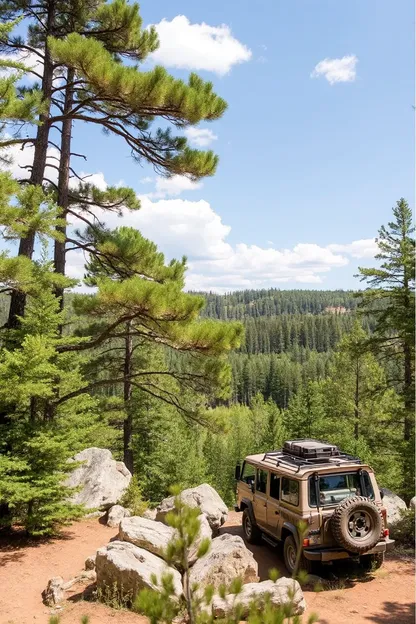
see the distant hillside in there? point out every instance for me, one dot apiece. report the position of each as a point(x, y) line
point(254, 303)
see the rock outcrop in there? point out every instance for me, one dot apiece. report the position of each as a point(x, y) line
point(116, 513)
point(54, 592)
point(394, 506)
point(204, 497)
point(284, 592)
point(227, 559)
point(101, 479)
point(148, 534)
point(131, 569)
point(412, 504)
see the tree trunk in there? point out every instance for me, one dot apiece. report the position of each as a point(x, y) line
point(127, 390)
point(357, 402)
point(408, 393)
point(26, 245)
point(63, 182)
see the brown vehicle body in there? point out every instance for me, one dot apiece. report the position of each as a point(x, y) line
point(279, 490)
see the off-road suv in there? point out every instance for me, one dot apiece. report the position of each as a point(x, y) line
point(335, 494)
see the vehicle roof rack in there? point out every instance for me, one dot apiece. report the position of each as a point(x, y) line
point(303, 453)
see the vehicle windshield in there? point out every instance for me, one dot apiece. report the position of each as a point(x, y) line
point(334, 488)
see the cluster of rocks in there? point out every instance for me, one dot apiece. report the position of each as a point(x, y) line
point(133, 559)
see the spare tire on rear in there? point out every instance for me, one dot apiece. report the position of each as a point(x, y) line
point(357, 524)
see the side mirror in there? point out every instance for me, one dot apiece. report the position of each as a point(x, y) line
point(237, 472)
point(381, 494)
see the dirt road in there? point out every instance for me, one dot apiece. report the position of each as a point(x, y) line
point(387, 597)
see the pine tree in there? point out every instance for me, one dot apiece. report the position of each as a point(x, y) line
point(390, 299)
point(99, 89)
point(140, 302)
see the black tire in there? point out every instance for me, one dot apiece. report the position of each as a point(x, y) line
point(252, 533)
point(357, 524)
point(372, 562)
point(290, 555)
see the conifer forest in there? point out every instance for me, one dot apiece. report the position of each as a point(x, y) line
point(178, 384)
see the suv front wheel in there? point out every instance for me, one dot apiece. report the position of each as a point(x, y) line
point(290, 555)
point(251, 532)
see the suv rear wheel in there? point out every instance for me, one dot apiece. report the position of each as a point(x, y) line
point(251, 531)
point(290, 554)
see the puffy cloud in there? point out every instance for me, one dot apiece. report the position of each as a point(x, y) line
point(173, 186)
point(192, 228)
point(337, 70)
point(364, 248)
point(30, 60)
point(201, 137)
point(198, 46)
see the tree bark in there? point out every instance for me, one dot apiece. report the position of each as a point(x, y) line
point(63, 182)
point(127, 391)
point(27, 244)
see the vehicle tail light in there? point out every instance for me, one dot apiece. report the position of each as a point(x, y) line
point(386, 532)
point(306, 542)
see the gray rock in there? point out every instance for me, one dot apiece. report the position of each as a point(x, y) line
point(227, 559)
point(148, 534)
point(394, 506)
point(102, 480)
point(150, 514)
point(412, 504)
point(284, 592)
point(131, 569)
point(54, 592)
point(205, 532)
point(116, 513)
point(204, 497)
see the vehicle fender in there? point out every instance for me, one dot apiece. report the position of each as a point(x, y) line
point(246, 503)
point(288, 526)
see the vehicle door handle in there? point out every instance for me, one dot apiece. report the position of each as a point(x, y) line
point(264, 504)
point(277, 513)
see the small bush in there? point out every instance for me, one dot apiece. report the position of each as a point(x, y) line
point(133, 498)
point(403, 531)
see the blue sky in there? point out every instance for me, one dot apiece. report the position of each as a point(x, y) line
point(307, 165)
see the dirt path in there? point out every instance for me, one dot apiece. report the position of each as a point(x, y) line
point(387, 597)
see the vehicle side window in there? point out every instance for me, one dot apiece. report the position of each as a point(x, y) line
point(261, 482)
point(274, 486)
point(290, 491)
point(249, 474)
point(368, 485)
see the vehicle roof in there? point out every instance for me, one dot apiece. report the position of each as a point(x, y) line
point(291, 466)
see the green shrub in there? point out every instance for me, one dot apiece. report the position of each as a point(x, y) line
point(133, 500)
point(403, 531)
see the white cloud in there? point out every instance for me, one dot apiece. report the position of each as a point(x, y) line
point(198, 46)
point(194, 229)
point(201, 137)
point(337, 70)
point(364, 248)
point(146, 180)
point(173, 186)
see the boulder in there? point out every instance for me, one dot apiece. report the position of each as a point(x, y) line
point(412, 504)
point(227, 558)
point(131, 569)
point(284, 592)
point(204, 497)
point(101, 479)
point(150, 514)
point(54, 592)
point(116, 514)
point(205, 532)
point(148, 534)
point(394, 506)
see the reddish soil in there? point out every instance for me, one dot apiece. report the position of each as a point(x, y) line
point(385, 597)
